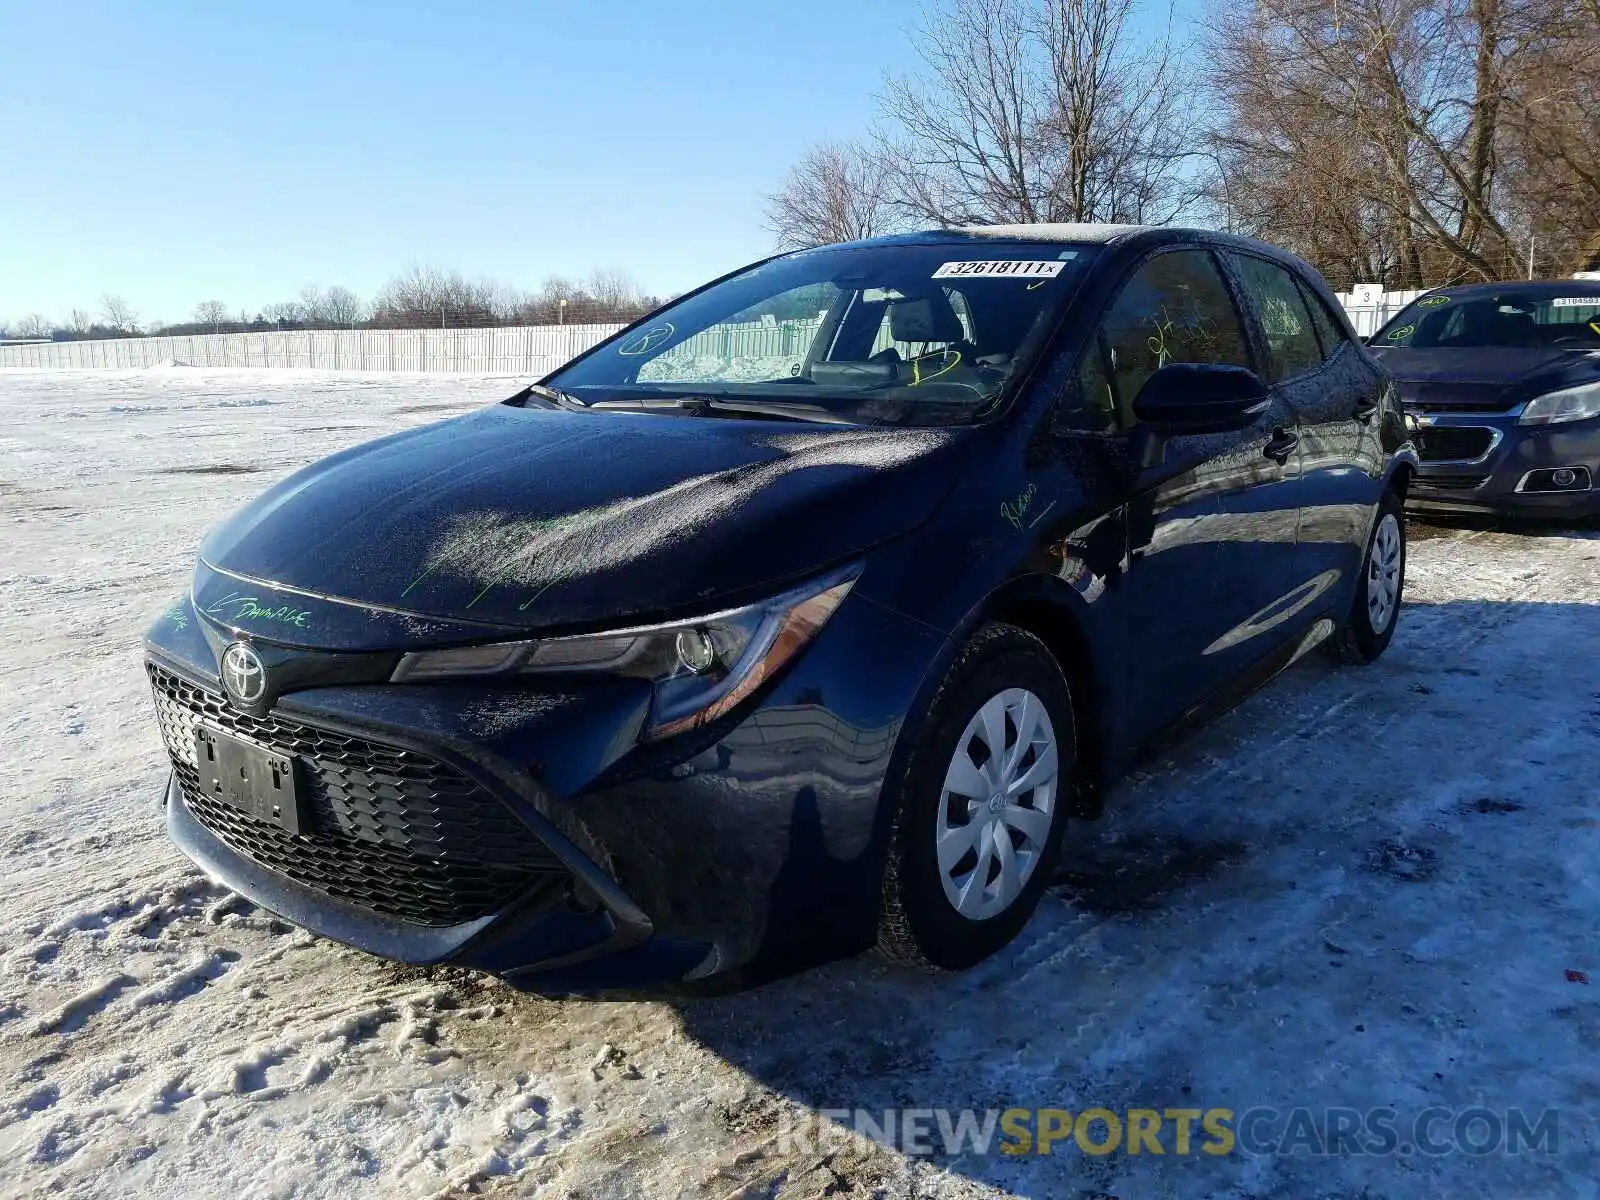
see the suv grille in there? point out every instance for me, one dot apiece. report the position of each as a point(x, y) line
point(1460, 397)
point(1459, 482)
point(391, 830)
point(1446, 443)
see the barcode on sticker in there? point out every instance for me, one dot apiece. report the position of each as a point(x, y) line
point(1574, 301)
point(1023, 268)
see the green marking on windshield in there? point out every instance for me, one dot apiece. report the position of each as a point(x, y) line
point(1405, 331)
point(1433, 301)
point(425, 573)
point(528, 603)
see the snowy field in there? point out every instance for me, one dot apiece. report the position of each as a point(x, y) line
point(1363, 888)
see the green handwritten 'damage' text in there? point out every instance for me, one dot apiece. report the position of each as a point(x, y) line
point(249, 608)
point(1015, 509)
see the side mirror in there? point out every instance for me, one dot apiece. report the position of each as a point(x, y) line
point(1188, 398)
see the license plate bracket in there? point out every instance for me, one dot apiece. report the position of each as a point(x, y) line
point(249, 777)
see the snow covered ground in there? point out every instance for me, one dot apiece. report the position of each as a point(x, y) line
point(1363, 888)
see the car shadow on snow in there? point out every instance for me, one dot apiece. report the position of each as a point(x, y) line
point(1425, 526)
point(1184, 898)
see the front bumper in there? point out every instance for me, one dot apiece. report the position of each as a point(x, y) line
point(1490, 464)
point(745, 850)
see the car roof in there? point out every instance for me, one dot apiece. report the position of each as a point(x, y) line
point(1061, 231)
point(1083, 233)
point(1531, 288)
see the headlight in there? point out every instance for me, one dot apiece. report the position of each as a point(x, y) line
point(1569, 404)
point(699, 669)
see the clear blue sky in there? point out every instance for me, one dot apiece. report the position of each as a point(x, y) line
point(176, 152)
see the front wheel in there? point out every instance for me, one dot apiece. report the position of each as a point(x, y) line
point(1375, 610)
point(981, 805)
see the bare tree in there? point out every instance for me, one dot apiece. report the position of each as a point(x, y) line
point(554, 290)
point(1416, 133)
point(312, 309)
point(341, 307)
point(82, 321)
point(285, 312)
point(613, 288)
point(1549, 160)
point(211, 312)
point(1038, 110)
point(118, 314)
point(34, 325)
point(424, 296)
point(837, 192)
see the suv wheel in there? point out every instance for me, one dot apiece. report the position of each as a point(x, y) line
point(982, 805)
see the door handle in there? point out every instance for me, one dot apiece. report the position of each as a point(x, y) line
point(1365, 411)
point(1281, 446)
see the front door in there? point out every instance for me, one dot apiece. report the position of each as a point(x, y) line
point(1212, 524)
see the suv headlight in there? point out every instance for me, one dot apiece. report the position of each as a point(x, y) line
point(1569, 404)
point(699, 669)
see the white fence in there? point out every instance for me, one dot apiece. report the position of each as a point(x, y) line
point(1369, 315)
point(529, 350)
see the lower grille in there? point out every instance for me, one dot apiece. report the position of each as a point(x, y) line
point(1459, 443)
point(1455, 482)
point(388, 829)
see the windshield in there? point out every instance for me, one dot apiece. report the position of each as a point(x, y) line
point(1509, 319)
point(890, 334)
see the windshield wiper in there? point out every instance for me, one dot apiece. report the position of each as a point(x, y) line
point(704, 406)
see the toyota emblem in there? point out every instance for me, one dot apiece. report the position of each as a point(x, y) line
point(243, 673)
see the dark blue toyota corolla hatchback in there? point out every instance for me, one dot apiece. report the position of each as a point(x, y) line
point(797, 617)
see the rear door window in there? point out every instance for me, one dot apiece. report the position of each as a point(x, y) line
point(1330, 332)
point(1286, 323)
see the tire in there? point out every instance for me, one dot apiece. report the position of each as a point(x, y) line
point(1369, 628)
point(922, 922)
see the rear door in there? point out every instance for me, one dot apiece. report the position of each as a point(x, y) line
point(1334, 392)
point(1212, 524)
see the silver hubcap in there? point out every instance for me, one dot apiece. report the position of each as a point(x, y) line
point(998, 804)
point(1384, 566)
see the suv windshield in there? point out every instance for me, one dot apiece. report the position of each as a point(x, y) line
point(887, 334)
point(1509, 319)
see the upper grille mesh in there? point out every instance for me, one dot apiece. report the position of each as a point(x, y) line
point(1447, 443)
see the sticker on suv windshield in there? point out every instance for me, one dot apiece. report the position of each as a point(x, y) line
point(1575, 301)
point(1024, 268)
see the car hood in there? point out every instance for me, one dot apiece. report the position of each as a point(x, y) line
point(1514, 373)
point(530, 517)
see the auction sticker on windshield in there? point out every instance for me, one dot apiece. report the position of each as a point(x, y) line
point(1023, 267)
point(1558, 302)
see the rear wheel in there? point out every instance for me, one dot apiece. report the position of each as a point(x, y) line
point(1375, 610)
point(982, 805)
